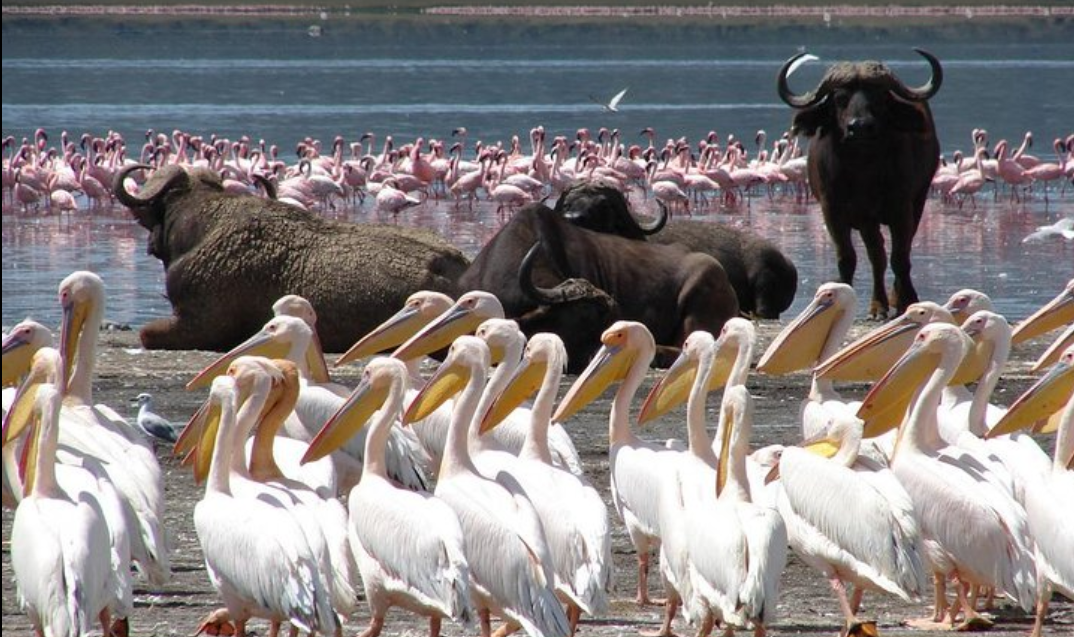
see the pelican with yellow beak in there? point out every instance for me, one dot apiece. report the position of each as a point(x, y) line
point(1055, 314)
point(19, 347)
point(59, 544)
point(300, 307)
point(637, 467)
point(468, 313)
point(98, 432)
point(572, 513)
point(1055, 350)
point(1051, 507)
point(973, 532)
point(256, 552)
point(966, 302)
point(737, 549)
point(409, 544)
point(290, 338)
point(510, 563)
point(848, 517)
point(815, 335)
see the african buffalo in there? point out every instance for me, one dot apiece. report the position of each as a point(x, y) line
point(228, 258)
point(529, 265)
point(872, 154)
point(764, 279)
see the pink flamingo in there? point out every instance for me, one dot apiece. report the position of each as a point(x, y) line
point(1010, 170)
point(26, 194)
point(391, 199)
point(1020, 156)
point(667, 192)
point(971, 181)
point(1047, 172)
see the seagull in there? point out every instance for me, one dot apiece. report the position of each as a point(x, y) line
point(1064, 228)
point(152, 423)
point(613, 105)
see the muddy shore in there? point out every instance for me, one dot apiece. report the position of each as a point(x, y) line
point(806, 607)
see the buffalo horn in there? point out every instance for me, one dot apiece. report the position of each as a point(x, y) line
point(928, 89)
point(787, 95)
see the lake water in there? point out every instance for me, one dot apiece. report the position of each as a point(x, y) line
point(270, 80)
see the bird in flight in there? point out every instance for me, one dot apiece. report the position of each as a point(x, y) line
point(613, 104)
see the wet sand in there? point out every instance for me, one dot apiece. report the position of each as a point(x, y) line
point(806, 606)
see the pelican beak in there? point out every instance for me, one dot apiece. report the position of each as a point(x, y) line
point(976, 361)
point(1046, 397)
point(610, 365)
point(772, 475)
point(723, 462)
point(525, 381)
point(435, 336)
point(671, 390)
point(191, 433)
point(348, 420)
point(21, 412)
point(889, 397)
point(17, 356)
point(27, 468)
point(1057, 313)
point(1055, 350)
point(260, 344)
point(198, 439)
point(450, 378)
point(799, 345)
point(315, 360)
point(822, 444)
point(871, 355)
point(392, 332)
point(74, 317)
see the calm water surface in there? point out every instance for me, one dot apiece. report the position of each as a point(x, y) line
point(269, 80)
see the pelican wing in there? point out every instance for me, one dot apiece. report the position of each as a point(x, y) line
point(414, 544)
point(866, 526)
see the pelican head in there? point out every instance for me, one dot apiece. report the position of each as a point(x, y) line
point(699, 351)
point(1047, 396)
point(1056, 313)
point(281, 336)
point(967, 301)
point(467, 357)
point(991, 335)
point(802, 343)
point(543, 351)
point(623, 343)
point(419, 310)
point(380, 378)
point(504, 338)
point(19, 347)
point(467, 313)
point(45, 368)
point(299, 307)
point(937, 346)
point(868, 357)
point(81, 297)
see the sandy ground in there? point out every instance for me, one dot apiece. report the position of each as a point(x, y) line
point(806, 606)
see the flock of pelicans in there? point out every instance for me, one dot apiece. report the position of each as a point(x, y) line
point(923, 477)
point(73, 175)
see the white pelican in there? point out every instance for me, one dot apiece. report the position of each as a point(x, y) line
point(637, 467)
point(464, 317)
point(97, 431)
point(1051, 506)
point(255, 552)
point(299, 307)
point(291, 338)
point(59, 545)
point(973, 532)
point(850, 519)
point(79, 477)
point(1055, 350)
point(19, 346)
point(1056, 313)
point(573, 516)
point(409, 544)
point(736, 568)
point(815, 335)
point(510, 564)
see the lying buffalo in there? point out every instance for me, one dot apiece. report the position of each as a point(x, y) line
point(228, 258)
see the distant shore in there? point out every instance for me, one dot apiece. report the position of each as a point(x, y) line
point(757, 10)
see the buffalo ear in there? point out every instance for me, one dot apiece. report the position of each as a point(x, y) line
point(811, 121)
point(908, 117)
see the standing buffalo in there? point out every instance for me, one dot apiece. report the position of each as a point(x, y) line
point(872, 154)
point(228, 258)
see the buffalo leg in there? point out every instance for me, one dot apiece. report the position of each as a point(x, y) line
point(902, 239)
point(845, 257)
point(878, 258)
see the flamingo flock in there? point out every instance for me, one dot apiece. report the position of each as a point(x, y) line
point(920, 480)
point(705, 175)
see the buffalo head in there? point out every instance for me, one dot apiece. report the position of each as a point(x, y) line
point(860, 101)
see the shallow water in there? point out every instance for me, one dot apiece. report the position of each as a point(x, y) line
point(269, 80)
